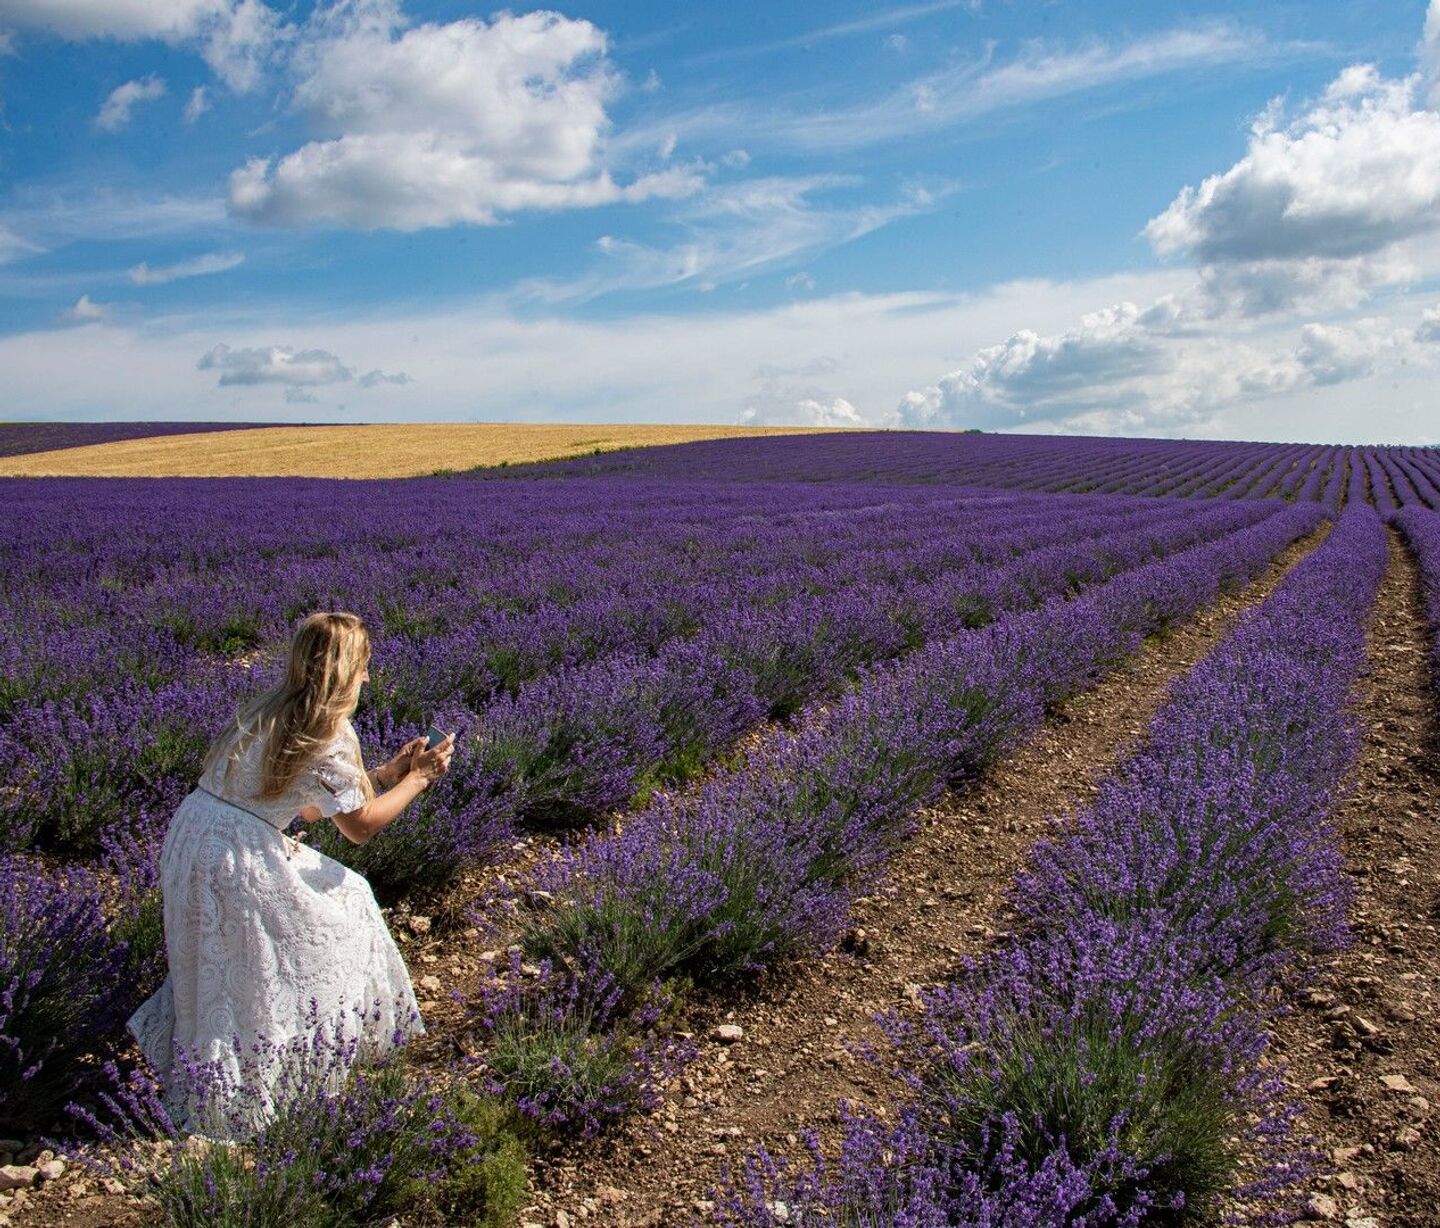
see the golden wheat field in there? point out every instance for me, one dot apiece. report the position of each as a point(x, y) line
point(393, 450)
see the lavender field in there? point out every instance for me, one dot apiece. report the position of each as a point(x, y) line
point(721, 708)
point(21, 438)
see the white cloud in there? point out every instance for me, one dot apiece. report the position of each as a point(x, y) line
point(197, 105)
point(235, 37)
point(115, 110)
point(1331, 354)
point(1428, 329)
point(444, 124)
point(494, 360)
point(1108, 360)
point(298, 396)
point(214, 262)
point(1319, 210)
point(881, 19)
point(7, 43)
point(85, 311)
point(52, 220)
point(1320, 215)
point(804, 411)
point(117, 19)
point(274, 364)
point(13, 246)
point(484, 362)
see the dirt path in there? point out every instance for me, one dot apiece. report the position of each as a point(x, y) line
point(1366, 1042)
point(793, 1064)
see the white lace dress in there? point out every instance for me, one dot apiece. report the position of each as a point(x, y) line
point(263, 935)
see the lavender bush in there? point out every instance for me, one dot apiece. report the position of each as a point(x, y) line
point(568, 1050)
point(341, 1143)
point(61, 993)
point(1422, 533)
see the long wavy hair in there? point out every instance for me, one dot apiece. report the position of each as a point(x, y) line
point(302, 715)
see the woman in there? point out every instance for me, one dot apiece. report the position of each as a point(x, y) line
point(269, 940)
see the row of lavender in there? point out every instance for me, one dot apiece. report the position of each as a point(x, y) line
point(601, 737)
point(1422, 532)
point(764, 862)
point(75, 961)
point(112, 631)
point(1387, 477)
point(1108, 1064)
point(635, 678)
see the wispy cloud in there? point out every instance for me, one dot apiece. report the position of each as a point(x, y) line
point(44, 221)
point(115, 111)
point(213, 262)
point(197, 106)
point(885, 20)
point(966, 92)
point(736, 231)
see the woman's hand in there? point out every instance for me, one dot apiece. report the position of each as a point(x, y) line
point(393, 772)
point(433, 764)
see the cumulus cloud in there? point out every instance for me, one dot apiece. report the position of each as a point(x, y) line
point(1324, 212)
point(214, 262)
point(1319, 209)
point(85, 311)
point(115, 111)
point(275, 364)
point(1332, 354)
point(235, 37)
point(1125, 370)
point(1108, 359)
point(804, 412)
point(298, 396)
point(442, 124)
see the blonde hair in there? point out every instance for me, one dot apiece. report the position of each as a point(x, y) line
point(303, 713)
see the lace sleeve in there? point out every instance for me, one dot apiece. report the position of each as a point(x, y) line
point(334, 783)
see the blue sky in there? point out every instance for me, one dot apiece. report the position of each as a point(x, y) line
point(1164, 219)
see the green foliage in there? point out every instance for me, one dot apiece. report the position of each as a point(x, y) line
point(1076, 1082)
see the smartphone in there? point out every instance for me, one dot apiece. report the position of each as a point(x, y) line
point(433, 738)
